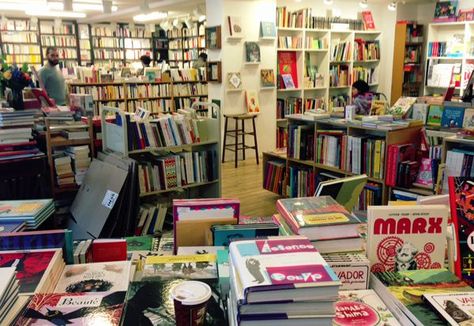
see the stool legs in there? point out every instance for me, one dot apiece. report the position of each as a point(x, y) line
point(243, 140)
point(255, 139)
point(236, 141)
point(225, 140)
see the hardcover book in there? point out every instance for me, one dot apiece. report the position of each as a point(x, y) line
point(252, 52)
point(420, 112)
point(267, 29)
point(74, 309)
point(318, 218)
point(189, 266)
point(234, 81)
point(278, 268)
point(226, 233)
point(288, 81)
point(402, 106)
point(455, 308)
point(94, 277)
point(452, 117)
point(287, 64)
point(267, 78)
point(461, 192)
point(23, 208)
point(345, 191)
point(435, 114)
point(362, 307)
point(368, 20)
point(150, 303)
point(352, 269)
point(11, 226)
point(404, 290)
point(403, 238)
point(253, 105)
point(468, 121)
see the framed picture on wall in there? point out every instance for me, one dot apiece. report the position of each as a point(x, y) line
point(214, 71)
point(213, 37)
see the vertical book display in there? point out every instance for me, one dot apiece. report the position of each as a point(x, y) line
point(317, 65)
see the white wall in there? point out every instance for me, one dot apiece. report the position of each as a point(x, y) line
point(232, 57)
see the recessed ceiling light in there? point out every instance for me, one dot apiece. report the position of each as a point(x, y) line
point(49, 13)
point(155, 15)
point(392, 6)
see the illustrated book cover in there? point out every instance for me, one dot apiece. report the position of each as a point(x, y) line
point(402, 106)
point(224, 234)
point(435, 113)
point(455, 308)
point(453, 117)
point(468, 121)
point(267, 29)
point(287, 64)
point(94, 277)
point(420, 112)
point(403, 238)
point(252, 52)
point(253, 105)
point(201, 266)
point(234, 80)
point(345, 191)
point(23, 208)
point(352, 269)
point(267, 78)
point(74, 309)
point(362, 307)
point(445, 11)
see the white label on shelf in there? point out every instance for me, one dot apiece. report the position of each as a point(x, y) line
point(109, 199)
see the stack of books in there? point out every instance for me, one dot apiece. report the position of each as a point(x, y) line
point(64, 173)
point(326, 223)
point(281, 280)
point(15, 134)
point(8, 291)
point(32, 212)
point(58, 114)
point(80, 160)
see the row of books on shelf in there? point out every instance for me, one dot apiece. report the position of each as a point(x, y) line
point(437, 49)
point(369, 75)
point(316, 43)
point(101, 92)
point(21, 49)
point(341, 51)
point(339, 76)
point(274, 176)
point(154, 106)
point(192, 43)
point(290, 42)
point(20, 38)
point(64, 53)
point(148, 90)
point(179, 170)
point(176, 44)
point(18, 25)
point(84, 44)
point(135, 54)
point(289, 19)
point(313, 22)
point(104, 54)
point(107, 42)
point(196, 89)
point(189, 74)
point(366, 50)
point(58, 41)
point(58, 29)
point(451, 115)
point(281, 137)
point(137, 43)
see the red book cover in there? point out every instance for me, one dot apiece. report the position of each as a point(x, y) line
point(109, 250)
point(368, 20)
point(287, 65)
point(12, 147)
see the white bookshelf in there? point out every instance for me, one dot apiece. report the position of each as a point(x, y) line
point(445, 32)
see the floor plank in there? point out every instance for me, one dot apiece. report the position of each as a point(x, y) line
point(245, 184)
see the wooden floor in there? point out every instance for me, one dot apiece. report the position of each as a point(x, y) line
point(245, 184)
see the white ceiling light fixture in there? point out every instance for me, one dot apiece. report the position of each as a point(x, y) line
point(155, 15)
point(328, 2)
point(392, 6)
point(49, 13)
point(363, 4)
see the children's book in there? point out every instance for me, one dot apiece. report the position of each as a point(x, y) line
point(468, 121)
point(253, 105)
point(287, 64)
point(404, 238)
point(280, 268)
point(252, 52)
point(184, 266)
point(362, 307)
point(455, 308)
point(267, 29)
point(139, 243)
point(288, 81)
point(23, 208)
point(94, 277)
point(452, 117)
point(74, 309)
point(402, 106)
point(267, 78)
point(445, 11)
point(420, 112)
point(368, 20)
point(435, 114)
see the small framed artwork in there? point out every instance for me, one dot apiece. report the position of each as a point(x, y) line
point(214, 71)
point(234, 81)
point(213, 37)
point(252, 52)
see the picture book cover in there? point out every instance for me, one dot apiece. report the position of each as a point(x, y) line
point(234, 80)
point(362, 307)
point(267, 78)
point(252, 52)
point(455, 308)
point(461, 195)
point(150, 303)
point(235, 26)
point(435, 113)
point(288, 81)
point(287, 65)
point(452, 117)
point(139, 243)
point(403, 238)
point(468, 121)
point(279, 262)
point(31, 266)
point(402, 106)
point(409, 287)
point(201, 266)
point(345, 191)
point(267, 29)
point(226, 233)
point(368, 20)
point(94, 277)
point(23, 208)
point(73, 309)
point(352, 269)
point(445, 11)
point(253, 105)
point(420, 112)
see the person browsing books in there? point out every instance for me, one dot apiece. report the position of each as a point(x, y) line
point(362, 97)
point(52, 77)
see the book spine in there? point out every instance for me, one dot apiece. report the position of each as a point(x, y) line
point(455, 220)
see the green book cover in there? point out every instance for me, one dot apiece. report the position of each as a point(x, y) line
point(435, 114)
point(142, 243)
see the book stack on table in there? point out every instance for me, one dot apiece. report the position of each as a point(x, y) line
point(32, 212)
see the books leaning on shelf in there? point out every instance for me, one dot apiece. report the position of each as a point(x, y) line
point(274, 176)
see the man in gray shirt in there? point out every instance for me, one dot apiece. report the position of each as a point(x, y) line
point(52, 77)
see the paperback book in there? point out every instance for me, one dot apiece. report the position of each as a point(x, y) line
point(403, 238)
point(189, 266)
point(455, 308)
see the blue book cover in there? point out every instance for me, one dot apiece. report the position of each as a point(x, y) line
point(224, 234)
point(452, 117)
point(11, 226)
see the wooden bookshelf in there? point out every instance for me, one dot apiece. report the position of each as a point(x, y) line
point(315, 166)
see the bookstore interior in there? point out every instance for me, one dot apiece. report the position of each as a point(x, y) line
point(346, 196)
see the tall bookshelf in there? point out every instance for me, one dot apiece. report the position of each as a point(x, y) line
point(85, 48)
point(325, 77)
point(160, 45)
point(186, 43)
point(407, 71)
point(137, 42)
point(63, 36)
point(20, 42)
point(457, 38)
point(302, 171)
point(108, 45)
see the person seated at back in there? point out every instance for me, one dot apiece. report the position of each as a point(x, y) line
point(362, 97)
point(146, 60)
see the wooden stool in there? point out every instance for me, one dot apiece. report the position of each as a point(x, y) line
point(236, 132)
